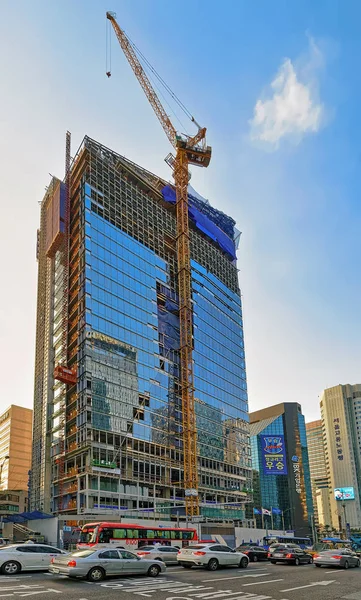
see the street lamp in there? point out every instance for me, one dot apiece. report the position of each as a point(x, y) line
point(283, 518)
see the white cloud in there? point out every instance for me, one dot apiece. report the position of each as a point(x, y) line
point(292, 108)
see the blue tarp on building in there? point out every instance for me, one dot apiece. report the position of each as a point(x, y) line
point(204, 223)
point(27, 516)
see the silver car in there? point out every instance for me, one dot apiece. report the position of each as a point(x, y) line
point(27, 557)
point(211, 556)
point(167, 554)
point(97, 564)
point(340, 557)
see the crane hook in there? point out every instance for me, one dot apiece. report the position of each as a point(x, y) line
point(108, 73)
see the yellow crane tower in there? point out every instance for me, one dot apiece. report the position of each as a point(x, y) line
point(189, 150)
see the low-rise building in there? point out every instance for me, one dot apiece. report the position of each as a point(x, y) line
point(15, 459)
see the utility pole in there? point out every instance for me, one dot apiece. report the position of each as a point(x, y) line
point(344, 516)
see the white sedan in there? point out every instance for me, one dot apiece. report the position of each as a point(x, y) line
point(26, 557)
point(211, 556)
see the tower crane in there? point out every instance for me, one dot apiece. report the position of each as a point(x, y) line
point(194, 151)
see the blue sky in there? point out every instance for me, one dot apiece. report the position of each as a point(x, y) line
point(277, 85)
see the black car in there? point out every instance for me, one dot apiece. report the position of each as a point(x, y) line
point(254, 553)
point(291, 556)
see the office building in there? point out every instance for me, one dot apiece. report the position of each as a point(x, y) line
point(281, 472)
point(341, 420)
point(112, 439)
point(318, 472)
point(15, 448)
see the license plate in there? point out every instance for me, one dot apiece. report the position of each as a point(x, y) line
point(278, 554)
point(55, 570)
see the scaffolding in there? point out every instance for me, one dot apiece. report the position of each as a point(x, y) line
point(129, 198)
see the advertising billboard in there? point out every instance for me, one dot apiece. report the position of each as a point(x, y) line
point(346, 493)
point(273, 454)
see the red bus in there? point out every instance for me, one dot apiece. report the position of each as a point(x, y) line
point(132, 536)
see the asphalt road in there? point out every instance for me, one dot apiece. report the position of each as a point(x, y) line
point(261, 581)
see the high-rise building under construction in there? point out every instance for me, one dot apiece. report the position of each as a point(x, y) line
point(107, 400)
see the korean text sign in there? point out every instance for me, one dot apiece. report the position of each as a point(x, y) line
point(274, 454)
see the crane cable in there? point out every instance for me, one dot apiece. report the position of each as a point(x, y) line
point(147, 67)
point(162, 82)
point(108, 49)
point(157, 87)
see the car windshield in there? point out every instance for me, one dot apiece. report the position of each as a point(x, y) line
point(83, 553)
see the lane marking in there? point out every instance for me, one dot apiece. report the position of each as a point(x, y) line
point(8, 577)
point(229, 578)
point(301, 587)
point(190, 591)
point(218, 594)
point(261, 582)
point(335, 572)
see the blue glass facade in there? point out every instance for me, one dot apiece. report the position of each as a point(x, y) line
point(219, 358)
point(121, 302)
point(124, 421)
point(121, 279)
point(290, 493)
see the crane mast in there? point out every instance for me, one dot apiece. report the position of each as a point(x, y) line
point(188, 151)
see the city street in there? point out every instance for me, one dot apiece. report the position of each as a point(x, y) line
point(258, 582)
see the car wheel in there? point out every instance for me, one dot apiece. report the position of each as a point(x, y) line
point(319, 566)
point(346, 565)
point(158, 558)
point(255, 558)
point(273, 562)
point(357, 564)
point(310, 562)
point(154, 571)
point(212, 565)
point(96, 574)
point(243, 563)
point(186, 565)
point(11, 567)
point(297, 561)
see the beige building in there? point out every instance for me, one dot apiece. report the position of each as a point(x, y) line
point(15, 449)
point(341, 419)
point(318, 472)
